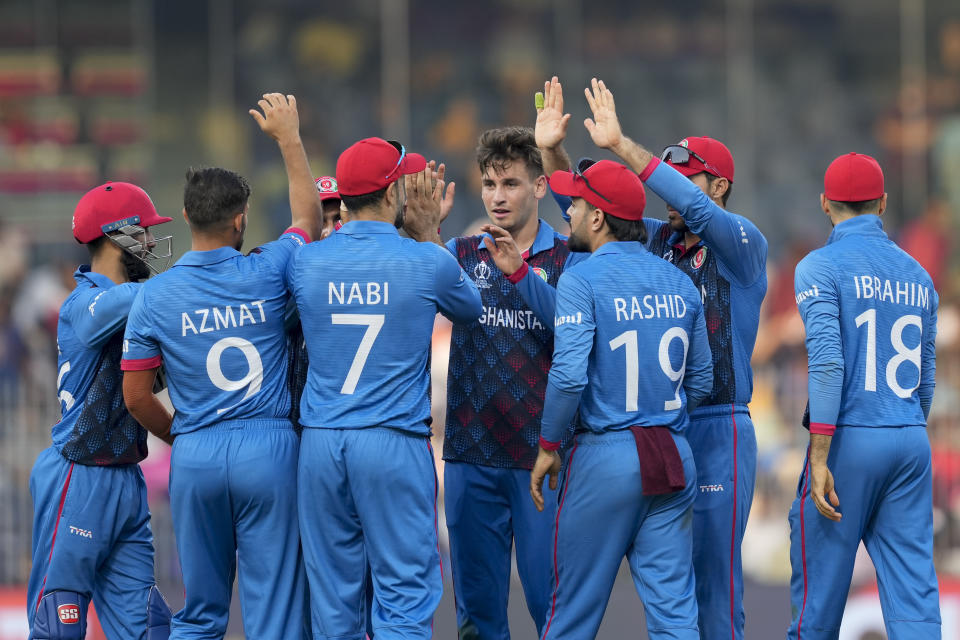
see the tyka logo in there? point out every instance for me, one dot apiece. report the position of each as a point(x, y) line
point(711, 488)
point(481, 275)
point(83, 533)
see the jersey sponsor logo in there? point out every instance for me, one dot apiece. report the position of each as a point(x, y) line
point(83, 533)
point(94, 303)
point(698, 258)
point(808, 293)
point(68, 614)
point(509, 318)
point(568, 319)
point(542, 273)
point(481, 275)
point(711, 488)
point(911, 294)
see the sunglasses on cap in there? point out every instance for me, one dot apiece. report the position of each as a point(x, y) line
point(403, 152)
point(675, 154)
point(582, 165)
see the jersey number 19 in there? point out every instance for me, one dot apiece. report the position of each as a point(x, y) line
point(628, 340)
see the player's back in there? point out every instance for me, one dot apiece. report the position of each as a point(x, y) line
point(95, 427)
point(367, 300)
point(887, 318)
point(218, 317)
point(646, 311)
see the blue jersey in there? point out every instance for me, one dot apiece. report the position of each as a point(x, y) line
point(367, 300)
point(631, 338)
point(216, 321)
point(728, 266)
point(95, 428)
point(870, 312)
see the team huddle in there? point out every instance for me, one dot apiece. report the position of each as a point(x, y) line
point(597, 399)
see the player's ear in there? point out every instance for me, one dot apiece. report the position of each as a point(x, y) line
point(824, 204)
point(239, 224)
point(540, 187)
point(185, 215)
point(883, 204)
point(597, 219)
point(719, 187)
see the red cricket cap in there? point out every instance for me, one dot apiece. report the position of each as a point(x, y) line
point(374, 163)
point(718, 159)
point(109, 203)
point(853, 177)
point(327, 188)
point(607, 185)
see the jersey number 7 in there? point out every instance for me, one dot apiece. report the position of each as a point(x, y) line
point(373, 322)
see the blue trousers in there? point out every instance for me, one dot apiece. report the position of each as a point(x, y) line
point(884, 480)
point(91, 535)
point(487, 509)
point(604, 516)
point(724, 449)
point(233, 495)
point(369, 498)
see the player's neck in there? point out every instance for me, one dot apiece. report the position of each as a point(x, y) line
point(110, 265)
point(525, 236)
point(209, 242)
point(690, 239)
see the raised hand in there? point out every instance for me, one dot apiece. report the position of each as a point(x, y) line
point(604, 128)
point(424, 206)
point(551, 127)
point(279, 119)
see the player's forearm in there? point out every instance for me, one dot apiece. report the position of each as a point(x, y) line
point(306, 209)
point(819, 448)
point(559, 408)
point(825, 386)
point(144, 406)
point(554, 159)
point(633, 155)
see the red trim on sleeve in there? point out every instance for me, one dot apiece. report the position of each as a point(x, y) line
point(549, 446)
point(519, 274)
point(300, 232)
point(143, 364)
point(822, 429)
point(650, 167)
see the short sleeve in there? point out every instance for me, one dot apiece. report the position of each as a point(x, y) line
point(141, 351)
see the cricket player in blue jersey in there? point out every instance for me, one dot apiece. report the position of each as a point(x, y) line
point(367, 299)
point(216, 321)
point(725, 255)
point(91, 526)
point(495, 387)
point(870, 313)
point(631, 352)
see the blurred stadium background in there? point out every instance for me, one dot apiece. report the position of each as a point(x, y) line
point(139, 90)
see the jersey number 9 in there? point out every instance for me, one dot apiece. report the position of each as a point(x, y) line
point(253, 378)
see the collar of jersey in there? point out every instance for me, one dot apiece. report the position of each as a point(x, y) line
point(629, 246)
point(360, 227)
point(83, 272)
point(862, 225)
point(543, 242)
point(213, 256)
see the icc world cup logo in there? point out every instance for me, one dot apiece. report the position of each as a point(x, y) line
point(481, 275)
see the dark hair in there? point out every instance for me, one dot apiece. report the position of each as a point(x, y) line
point(499, 147)
point(96, 245)
point(372, 199)
point(626, 230)
point(212, 196)
point(858, 207)
point(726, 194)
